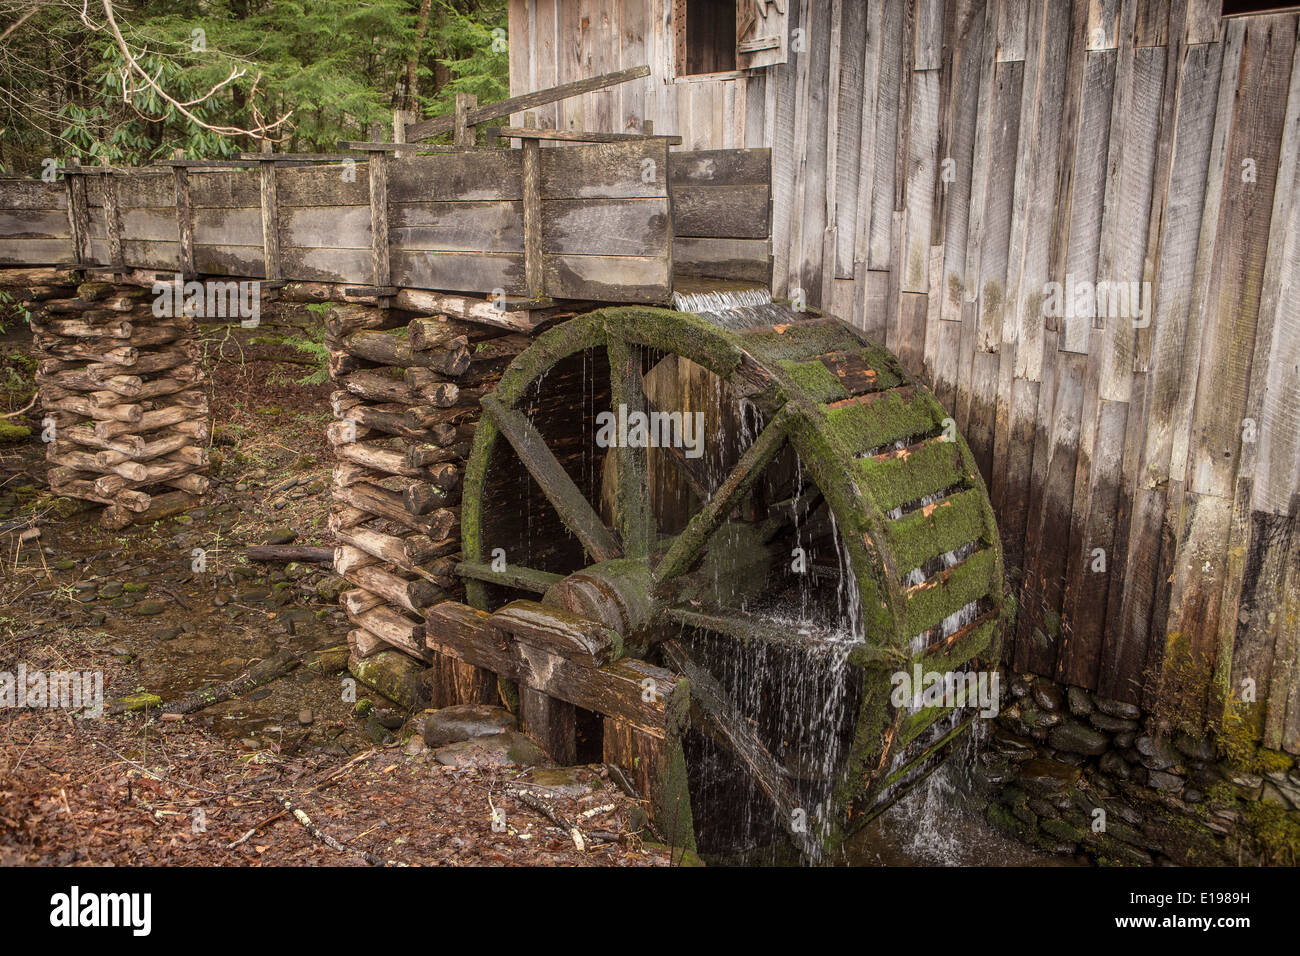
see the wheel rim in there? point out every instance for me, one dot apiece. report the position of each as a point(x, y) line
point(639, 582)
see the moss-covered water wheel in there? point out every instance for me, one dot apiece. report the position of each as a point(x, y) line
point(833, 531)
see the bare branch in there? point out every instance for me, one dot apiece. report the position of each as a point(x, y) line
point(259, 130)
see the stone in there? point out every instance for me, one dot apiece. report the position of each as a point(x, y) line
point(1063, 830)
point(306, 717)
point(1272, 795)
point(1166, 782)
point(1074, 737)
point(1240, 778)
point(1199, 748)
point(377, 731)
point(507, 748)
point(1040, 719)
point(465, 722)
point(415, 745)
point(1156, 753)
point(1048, 696)
point(1116, 708)
point(1285, 786)
point(1079, 702)
point(561, 781)
point(1114, 764)
point(1111, 724)
point(1048, 776)
point(149, 608)
point(281, 536)
point(170, 633)
point(1124, 740)
point(1019, 687)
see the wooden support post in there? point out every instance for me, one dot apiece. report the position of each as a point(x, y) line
point(532, 177)
point(657, 768)
point(270, 216)
point(184, 219)
point(463, 133)
point(380, 267)
point(113, 220)
point(78, 212)
point(552, 723)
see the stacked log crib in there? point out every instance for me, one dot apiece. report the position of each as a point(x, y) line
point(125, 414)
point(406, 408)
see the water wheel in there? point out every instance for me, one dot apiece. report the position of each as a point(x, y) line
point(826, 531)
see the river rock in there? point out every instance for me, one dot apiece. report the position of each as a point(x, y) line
point(1167, 782)
point(465, 722)
point(150, 607)
point(1117, 708)
point(1074, 737)
point(1157, 753)
point(1111, 724)
point(1048, 696)
point(508, 748)
point(562, 781)
point(1048, 776)
point(1199, 748)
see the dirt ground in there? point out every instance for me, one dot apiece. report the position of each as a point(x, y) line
point(285, 775)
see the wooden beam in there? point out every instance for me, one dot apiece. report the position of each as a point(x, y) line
point(270, 215)
point(532, 181)
point(380, 267)
point(184, 219)
point(649, 698)
point(463, 130)
point(558, 631)
point(518, 104)
point(575, 135)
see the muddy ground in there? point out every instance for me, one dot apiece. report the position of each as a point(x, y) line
point(287, 774)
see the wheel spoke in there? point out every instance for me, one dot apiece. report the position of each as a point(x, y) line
point(568, 500)
point(690, 543)
point(721, 719)
point(513, 576)
point(632, 487)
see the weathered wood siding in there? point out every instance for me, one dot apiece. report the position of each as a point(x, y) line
point(934, 164)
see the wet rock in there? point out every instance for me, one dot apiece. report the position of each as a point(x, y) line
point(1286, 785)
point(506, 749)
point(1157, 753)
point(281, 536)
point(1199, 748)
point(169, 633)
point(1124, 740)
point(1111, 724)
point(1114, 764)
point(1116, 708)
point(465, 722)
point(1048, 776)
point(149, 608)
point(1074, 737)
point(1048, 696)
point(415, 745)
point(1166, 782)
point(391, 719)
point(306, 717)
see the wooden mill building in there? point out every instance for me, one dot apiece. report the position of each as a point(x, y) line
point(936, 165)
